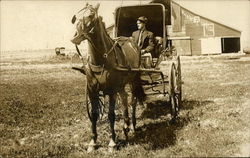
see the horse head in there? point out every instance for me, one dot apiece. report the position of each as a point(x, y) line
point(102, 49)
point(85, 22)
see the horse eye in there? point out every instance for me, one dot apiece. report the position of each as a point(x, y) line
point(91, 16)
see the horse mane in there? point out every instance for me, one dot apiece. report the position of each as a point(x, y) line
point(103, 27)
point(120, 52)
point(105, 41)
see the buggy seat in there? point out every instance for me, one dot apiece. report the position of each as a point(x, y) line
point(125, 24)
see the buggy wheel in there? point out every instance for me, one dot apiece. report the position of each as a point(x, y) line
point(179, 81)
point(101, 106)
point(87, 102)
point(174, 93)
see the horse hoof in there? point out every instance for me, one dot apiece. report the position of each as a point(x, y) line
point(111, 149)
point(112, 146)
point(174, 120)
point(126, 131)
point(90, 149)
point(132, 129)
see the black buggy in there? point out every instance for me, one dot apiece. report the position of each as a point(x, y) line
point(153, 77)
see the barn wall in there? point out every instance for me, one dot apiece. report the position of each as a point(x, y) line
point(183, 46)
point(222, 31)
point(199, 29)
point(194, 32)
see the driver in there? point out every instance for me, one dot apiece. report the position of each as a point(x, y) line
point(143, 37)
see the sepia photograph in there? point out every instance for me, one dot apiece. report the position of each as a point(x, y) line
point(124, 78)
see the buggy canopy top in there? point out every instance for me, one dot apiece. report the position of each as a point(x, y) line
point(126, 17)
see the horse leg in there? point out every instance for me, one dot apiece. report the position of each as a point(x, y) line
point(133, 104)
point(111, 116)
point(94, 116)
point(124, 100)
point(138, 94)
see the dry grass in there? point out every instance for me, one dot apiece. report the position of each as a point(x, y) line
point(42, 112)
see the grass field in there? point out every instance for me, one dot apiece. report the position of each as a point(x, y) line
point(42, 112)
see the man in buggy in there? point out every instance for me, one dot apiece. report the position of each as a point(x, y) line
point(145, 41)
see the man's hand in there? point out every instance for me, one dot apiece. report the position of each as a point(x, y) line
point(143, 51)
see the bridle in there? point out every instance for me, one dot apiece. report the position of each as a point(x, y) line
point(90, 30)
point(89, 27)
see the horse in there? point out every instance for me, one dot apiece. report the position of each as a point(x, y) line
point(104, 71)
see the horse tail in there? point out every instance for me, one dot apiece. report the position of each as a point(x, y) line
point(137, 88)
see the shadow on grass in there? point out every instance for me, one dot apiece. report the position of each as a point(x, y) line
point(162, 134)
point(156, 109)
point(192, 104)
point(159, 108)
point(158, 135)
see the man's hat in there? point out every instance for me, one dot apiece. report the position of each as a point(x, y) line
point(143, 19)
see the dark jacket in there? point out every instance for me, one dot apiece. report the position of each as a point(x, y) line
point(147, 40)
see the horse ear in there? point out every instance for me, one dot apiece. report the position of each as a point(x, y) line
point(73, 20)
point(101, 18)
point(97, 6)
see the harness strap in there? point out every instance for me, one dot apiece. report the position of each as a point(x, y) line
point(105, 55)
point(95, 68)
point(79, 53)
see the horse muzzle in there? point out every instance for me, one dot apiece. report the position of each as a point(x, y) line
point(79, 35)
point(78, 38)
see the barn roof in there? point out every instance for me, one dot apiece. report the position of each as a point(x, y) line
point(206, 17)
point(112, 25)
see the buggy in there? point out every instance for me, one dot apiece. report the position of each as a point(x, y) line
point(158, 18)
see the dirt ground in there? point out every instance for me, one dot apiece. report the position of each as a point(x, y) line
point(42, 112)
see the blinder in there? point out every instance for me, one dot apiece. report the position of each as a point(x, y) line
point(85, 24)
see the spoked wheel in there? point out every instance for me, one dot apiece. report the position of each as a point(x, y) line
point(89, 107)
point(179, 80)
point(174, 91)
point(87, 103)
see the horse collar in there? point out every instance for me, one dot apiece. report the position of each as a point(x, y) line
point(96, 68)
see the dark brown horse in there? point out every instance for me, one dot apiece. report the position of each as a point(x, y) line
point(108, 70)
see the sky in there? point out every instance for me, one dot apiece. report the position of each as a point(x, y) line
point(27, 25)
point(30, 25)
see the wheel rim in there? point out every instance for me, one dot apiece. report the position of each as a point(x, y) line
point(179, 81)
point(87, 102)
point(174, 91)
point(101, 100)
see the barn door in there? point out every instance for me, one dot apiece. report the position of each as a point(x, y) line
point(230, 44)
point(211, 45)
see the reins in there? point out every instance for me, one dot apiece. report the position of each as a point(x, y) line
point(105, 55)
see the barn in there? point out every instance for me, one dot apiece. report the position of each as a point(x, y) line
point(193, 34)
